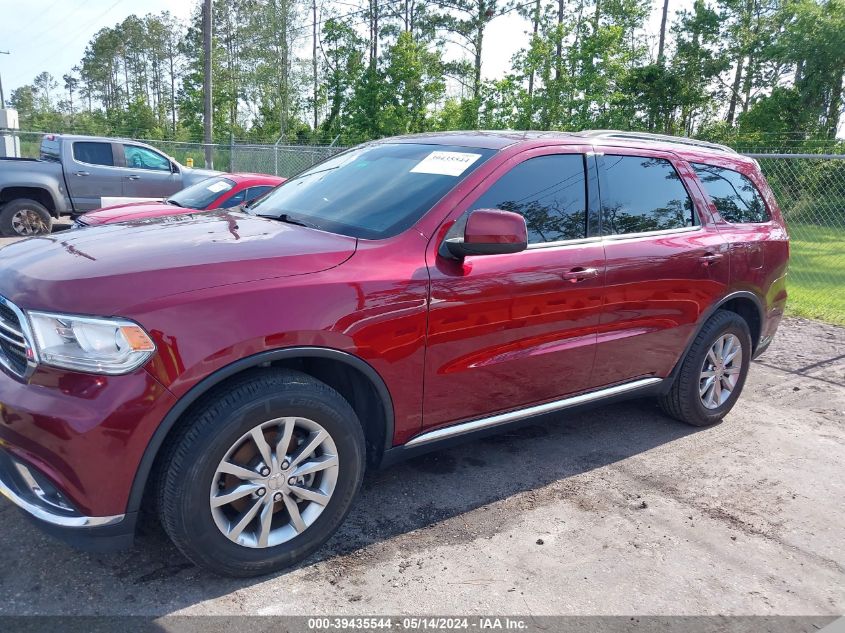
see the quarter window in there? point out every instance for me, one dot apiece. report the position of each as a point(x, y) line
point(549, 192)
point(736, 198)
point(640, 194)
point(143, 158)
point(93, 153)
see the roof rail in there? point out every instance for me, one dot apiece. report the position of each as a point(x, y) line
point(648, 136)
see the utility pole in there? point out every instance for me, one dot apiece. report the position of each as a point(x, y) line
point(2, 99)
point(314, 10)
point(207, 109)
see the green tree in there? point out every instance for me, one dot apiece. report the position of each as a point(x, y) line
point(416, 77)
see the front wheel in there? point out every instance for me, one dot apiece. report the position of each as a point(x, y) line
point(712, 373)
point(262, 474)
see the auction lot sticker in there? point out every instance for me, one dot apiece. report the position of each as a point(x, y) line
point(445, 163)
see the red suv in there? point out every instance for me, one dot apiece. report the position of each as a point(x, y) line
point(237, 371)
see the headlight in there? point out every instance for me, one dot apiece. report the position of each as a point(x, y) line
point(98, 346)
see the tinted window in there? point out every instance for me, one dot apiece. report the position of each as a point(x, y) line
point(641, 194)
point(235, 200)
point(143, 158)
point(202, 194)
point(256, 192)
point(735, 196)
point(93, 153)
point(373, 191)
point(50, 149)
point(549, 191)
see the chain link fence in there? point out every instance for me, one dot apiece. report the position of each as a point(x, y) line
point(278, 159)
point(809, 187)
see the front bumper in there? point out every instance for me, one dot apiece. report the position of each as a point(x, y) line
point(45, 504)
point(70, 446)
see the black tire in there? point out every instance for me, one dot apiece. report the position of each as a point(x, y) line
point(11, 209)
point(683, 401)
point(189, 468)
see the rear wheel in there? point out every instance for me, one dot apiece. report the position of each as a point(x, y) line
point(24, 218)
point(713, 372)
point(263, 474)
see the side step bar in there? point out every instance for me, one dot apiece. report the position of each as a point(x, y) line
point(520, 414)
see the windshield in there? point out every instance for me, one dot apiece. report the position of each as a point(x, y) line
point(372, 192)
point(202, 194)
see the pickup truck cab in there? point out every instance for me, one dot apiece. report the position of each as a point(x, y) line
point(75, 173)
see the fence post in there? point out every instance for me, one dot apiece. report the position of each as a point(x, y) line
point(276, 156)
point(231, 151)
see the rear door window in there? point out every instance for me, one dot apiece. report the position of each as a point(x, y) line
point(736, 198)
point(550, 192)
point(93, 153)
point(640, 194)
point(50, 149)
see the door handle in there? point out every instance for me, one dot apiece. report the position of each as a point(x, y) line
point(133, 177)
point(580, 274)
point(711, 258)
point(83, 173)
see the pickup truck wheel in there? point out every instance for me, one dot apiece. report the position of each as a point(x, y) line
point(23, 218)
point(262, 474)
point(712, 373)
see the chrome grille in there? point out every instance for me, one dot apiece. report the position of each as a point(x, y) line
point(14, 345)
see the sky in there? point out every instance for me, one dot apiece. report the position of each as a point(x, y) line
point(52, 35)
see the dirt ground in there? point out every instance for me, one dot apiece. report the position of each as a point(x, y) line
point(58, 225)
point(616, 511)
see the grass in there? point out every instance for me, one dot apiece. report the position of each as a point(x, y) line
point(816, 282)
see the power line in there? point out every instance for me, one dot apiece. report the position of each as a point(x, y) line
point(62, 20)
point(75, 33)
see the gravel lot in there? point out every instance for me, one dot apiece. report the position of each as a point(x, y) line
point(616, 511)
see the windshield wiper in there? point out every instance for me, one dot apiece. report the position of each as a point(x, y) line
point(284, 217)
point(173, 202)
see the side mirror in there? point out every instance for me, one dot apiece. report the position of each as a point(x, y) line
point(488, 232)
point(174, 167)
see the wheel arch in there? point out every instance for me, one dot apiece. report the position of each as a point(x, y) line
point(742, 302)
point(38, 193)
point(354, 378)
point(750, 307)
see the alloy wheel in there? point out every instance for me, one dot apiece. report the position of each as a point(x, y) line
point(28, 222)
point(274, 481)
point(721, 371)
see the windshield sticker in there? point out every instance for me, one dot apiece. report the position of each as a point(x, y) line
point(217, 187)
point(445, 163)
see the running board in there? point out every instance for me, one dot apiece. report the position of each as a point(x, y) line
point(521, 414)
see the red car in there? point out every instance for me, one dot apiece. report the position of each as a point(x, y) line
point(218, 192)
point(240, 370)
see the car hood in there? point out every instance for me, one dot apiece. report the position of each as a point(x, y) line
point(113, 269)
point(130, 211)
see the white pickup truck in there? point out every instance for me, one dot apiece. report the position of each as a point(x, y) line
point(75, 173)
